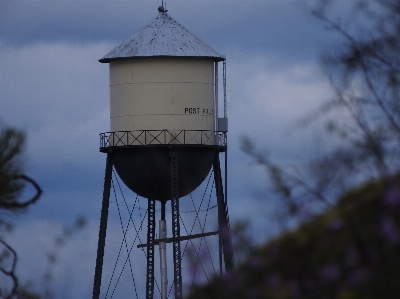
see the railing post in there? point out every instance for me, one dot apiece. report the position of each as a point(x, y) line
point(206, 137)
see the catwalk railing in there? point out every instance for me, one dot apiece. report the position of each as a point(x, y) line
point(162, 137)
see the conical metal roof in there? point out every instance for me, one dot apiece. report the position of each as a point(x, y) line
point(163, 36)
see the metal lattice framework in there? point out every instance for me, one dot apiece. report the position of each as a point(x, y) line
point(152, 241)
point(162, 137)
point(178, 248)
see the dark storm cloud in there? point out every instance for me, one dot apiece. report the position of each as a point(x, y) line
point(280, 27)
point(26, 22)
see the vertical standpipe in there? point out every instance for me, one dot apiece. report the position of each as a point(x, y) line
point(163, 259)
point(216, 95)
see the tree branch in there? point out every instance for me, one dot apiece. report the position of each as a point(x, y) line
point(11, 272)
point(20, 205)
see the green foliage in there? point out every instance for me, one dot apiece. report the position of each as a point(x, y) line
point(351, 251)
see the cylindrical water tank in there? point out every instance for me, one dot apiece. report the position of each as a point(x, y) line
point(162, 93)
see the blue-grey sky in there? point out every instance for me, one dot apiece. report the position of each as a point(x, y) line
point(53, 87)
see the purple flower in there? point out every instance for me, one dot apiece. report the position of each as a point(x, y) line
point(232, 281)
point(274, 281)
point(352, 256)
point(330, 272)
point(392, 196)
point(359, 275)
point(389, 230)
point(335, 224)
point(294, 289)
point(274, 249)
point(252, 293)
point(255, 263)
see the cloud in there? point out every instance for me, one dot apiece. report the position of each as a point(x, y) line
point(62, 78)
point(58, 92)
point(267, 104)
point(254, 26)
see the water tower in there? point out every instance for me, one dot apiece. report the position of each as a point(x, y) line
point(165, 135)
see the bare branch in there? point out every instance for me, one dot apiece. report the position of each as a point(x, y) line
point(20, 205)
point(11, 272)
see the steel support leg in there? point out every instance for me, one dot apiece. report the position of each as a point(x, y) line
point(151, 228)
point(176, 224)
point(223, 217)
point(103, 227)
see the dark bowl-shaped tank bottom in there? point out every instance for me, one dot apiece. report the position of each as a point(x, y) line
point(147, 170)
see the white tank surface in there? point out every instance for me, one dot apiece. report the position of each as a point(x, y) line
point(157, 93)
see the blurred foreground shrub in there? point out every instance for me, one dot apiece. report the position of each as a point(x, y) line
point(351, 251)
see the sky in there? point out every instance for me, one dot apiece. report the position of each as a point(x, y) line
point(53, 87)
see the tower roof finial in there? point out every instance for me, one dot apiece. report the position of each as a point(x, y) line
point(162, 8)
